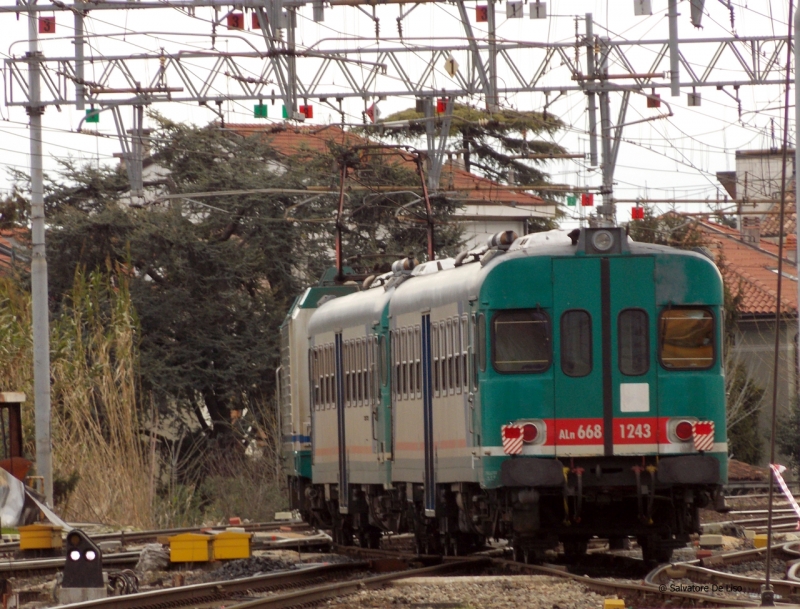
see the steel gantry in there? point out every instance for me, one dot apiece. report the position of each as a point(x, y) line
point(274, 68)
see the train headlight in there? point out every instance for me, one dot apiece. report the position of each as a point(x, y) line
point(602, 240)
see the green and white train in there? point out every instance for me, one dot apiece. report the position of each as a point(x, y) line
point(543, 389)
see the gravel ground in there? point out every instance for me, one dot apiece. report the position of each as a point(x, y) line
point(484, 592)
point(756, 568)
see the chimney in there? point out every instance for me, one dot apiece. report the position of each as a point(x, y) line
point(751, 230)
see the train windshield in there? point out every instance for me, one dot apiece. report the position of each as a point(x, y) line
point(521, 341)
point(687, 338)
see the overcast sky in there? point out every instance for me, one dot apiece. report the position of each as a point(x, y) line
point(675, 157)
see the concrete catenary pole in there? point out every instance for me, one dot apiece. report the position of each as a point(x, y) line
point(41, 325)
point(797, 159)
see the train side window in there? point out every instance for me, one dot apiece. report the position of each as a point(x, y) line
point(435, 357)
point(346, 367)
point(316, 376)
point(383, 364)
point(442, 358)
point(395, 356)
point(465, 352)
point(686, 339)
point(404, 340)
point(418, 359)
point(576, 343)
point(457, 342)
point(521, 341)
point(330, 398)
point(634, 342)
point(481, 344)
point(360, 370)
point(323, 363)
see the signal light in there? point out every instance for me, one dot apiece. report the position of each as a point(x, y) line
point(529, 433)
point(683, 431)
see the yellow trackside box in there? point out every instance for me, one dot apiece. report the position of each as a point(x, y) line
point(613, 603)
point(759, 541)
point(190, 547)
point(39, 537)
point(231, 544)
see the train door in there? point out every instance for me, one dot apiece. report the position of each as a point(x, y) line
point(605, 380)
point(578, 357)
point(634, 371)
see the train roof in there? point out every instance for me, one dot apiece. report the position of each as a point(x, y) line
point(440, 282)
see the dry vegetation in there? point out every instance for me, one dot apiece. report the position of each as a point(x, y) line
point(107, 469)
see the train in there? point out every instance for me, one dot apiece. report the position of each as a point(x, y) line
point(543, 389)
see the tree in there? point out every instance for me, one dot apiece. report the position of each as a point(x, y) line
point(211, 277)
point(494, 144)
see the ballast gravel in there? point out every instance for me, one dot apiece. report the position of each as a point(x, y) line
point(476, 592)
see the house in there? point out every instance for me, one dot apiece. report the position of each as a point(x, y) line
point(488, 206)
point(14, 248)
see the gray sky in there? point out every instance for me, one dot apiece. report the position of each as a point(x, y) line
point(675, 157)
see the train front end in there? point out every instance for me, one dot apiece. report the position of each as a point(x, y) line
point(602, 391)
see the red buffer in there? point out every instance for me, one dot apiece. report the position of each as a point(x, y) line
point(637, 213)
point(236, 21)
point(47, 25)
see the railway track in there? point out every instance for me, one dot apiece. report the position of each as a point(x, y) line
point(315, 580)
point(139, 537)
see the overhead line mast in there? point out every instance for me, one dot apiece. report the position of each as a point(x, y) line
point(496, 68)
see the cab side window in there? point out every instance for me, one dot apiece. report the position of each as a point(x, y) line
point(521, 341)
point(686, 339)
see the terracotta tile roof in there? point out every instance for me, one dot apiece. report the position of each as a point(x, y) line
point(751, 272)
point(13, 247)
point(457, 182)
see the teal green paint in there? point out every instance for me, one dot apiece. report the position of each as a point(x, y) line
point(302, 460)
point(310, 300)
point(577, 286)
point(518, 283)
point(687, 280)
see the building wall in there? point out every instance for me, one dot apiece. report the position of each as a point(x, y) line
point(754, 346)
point(758, 177)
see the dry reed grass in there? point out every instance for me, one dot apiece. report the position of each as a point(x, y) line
point(97, 430)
